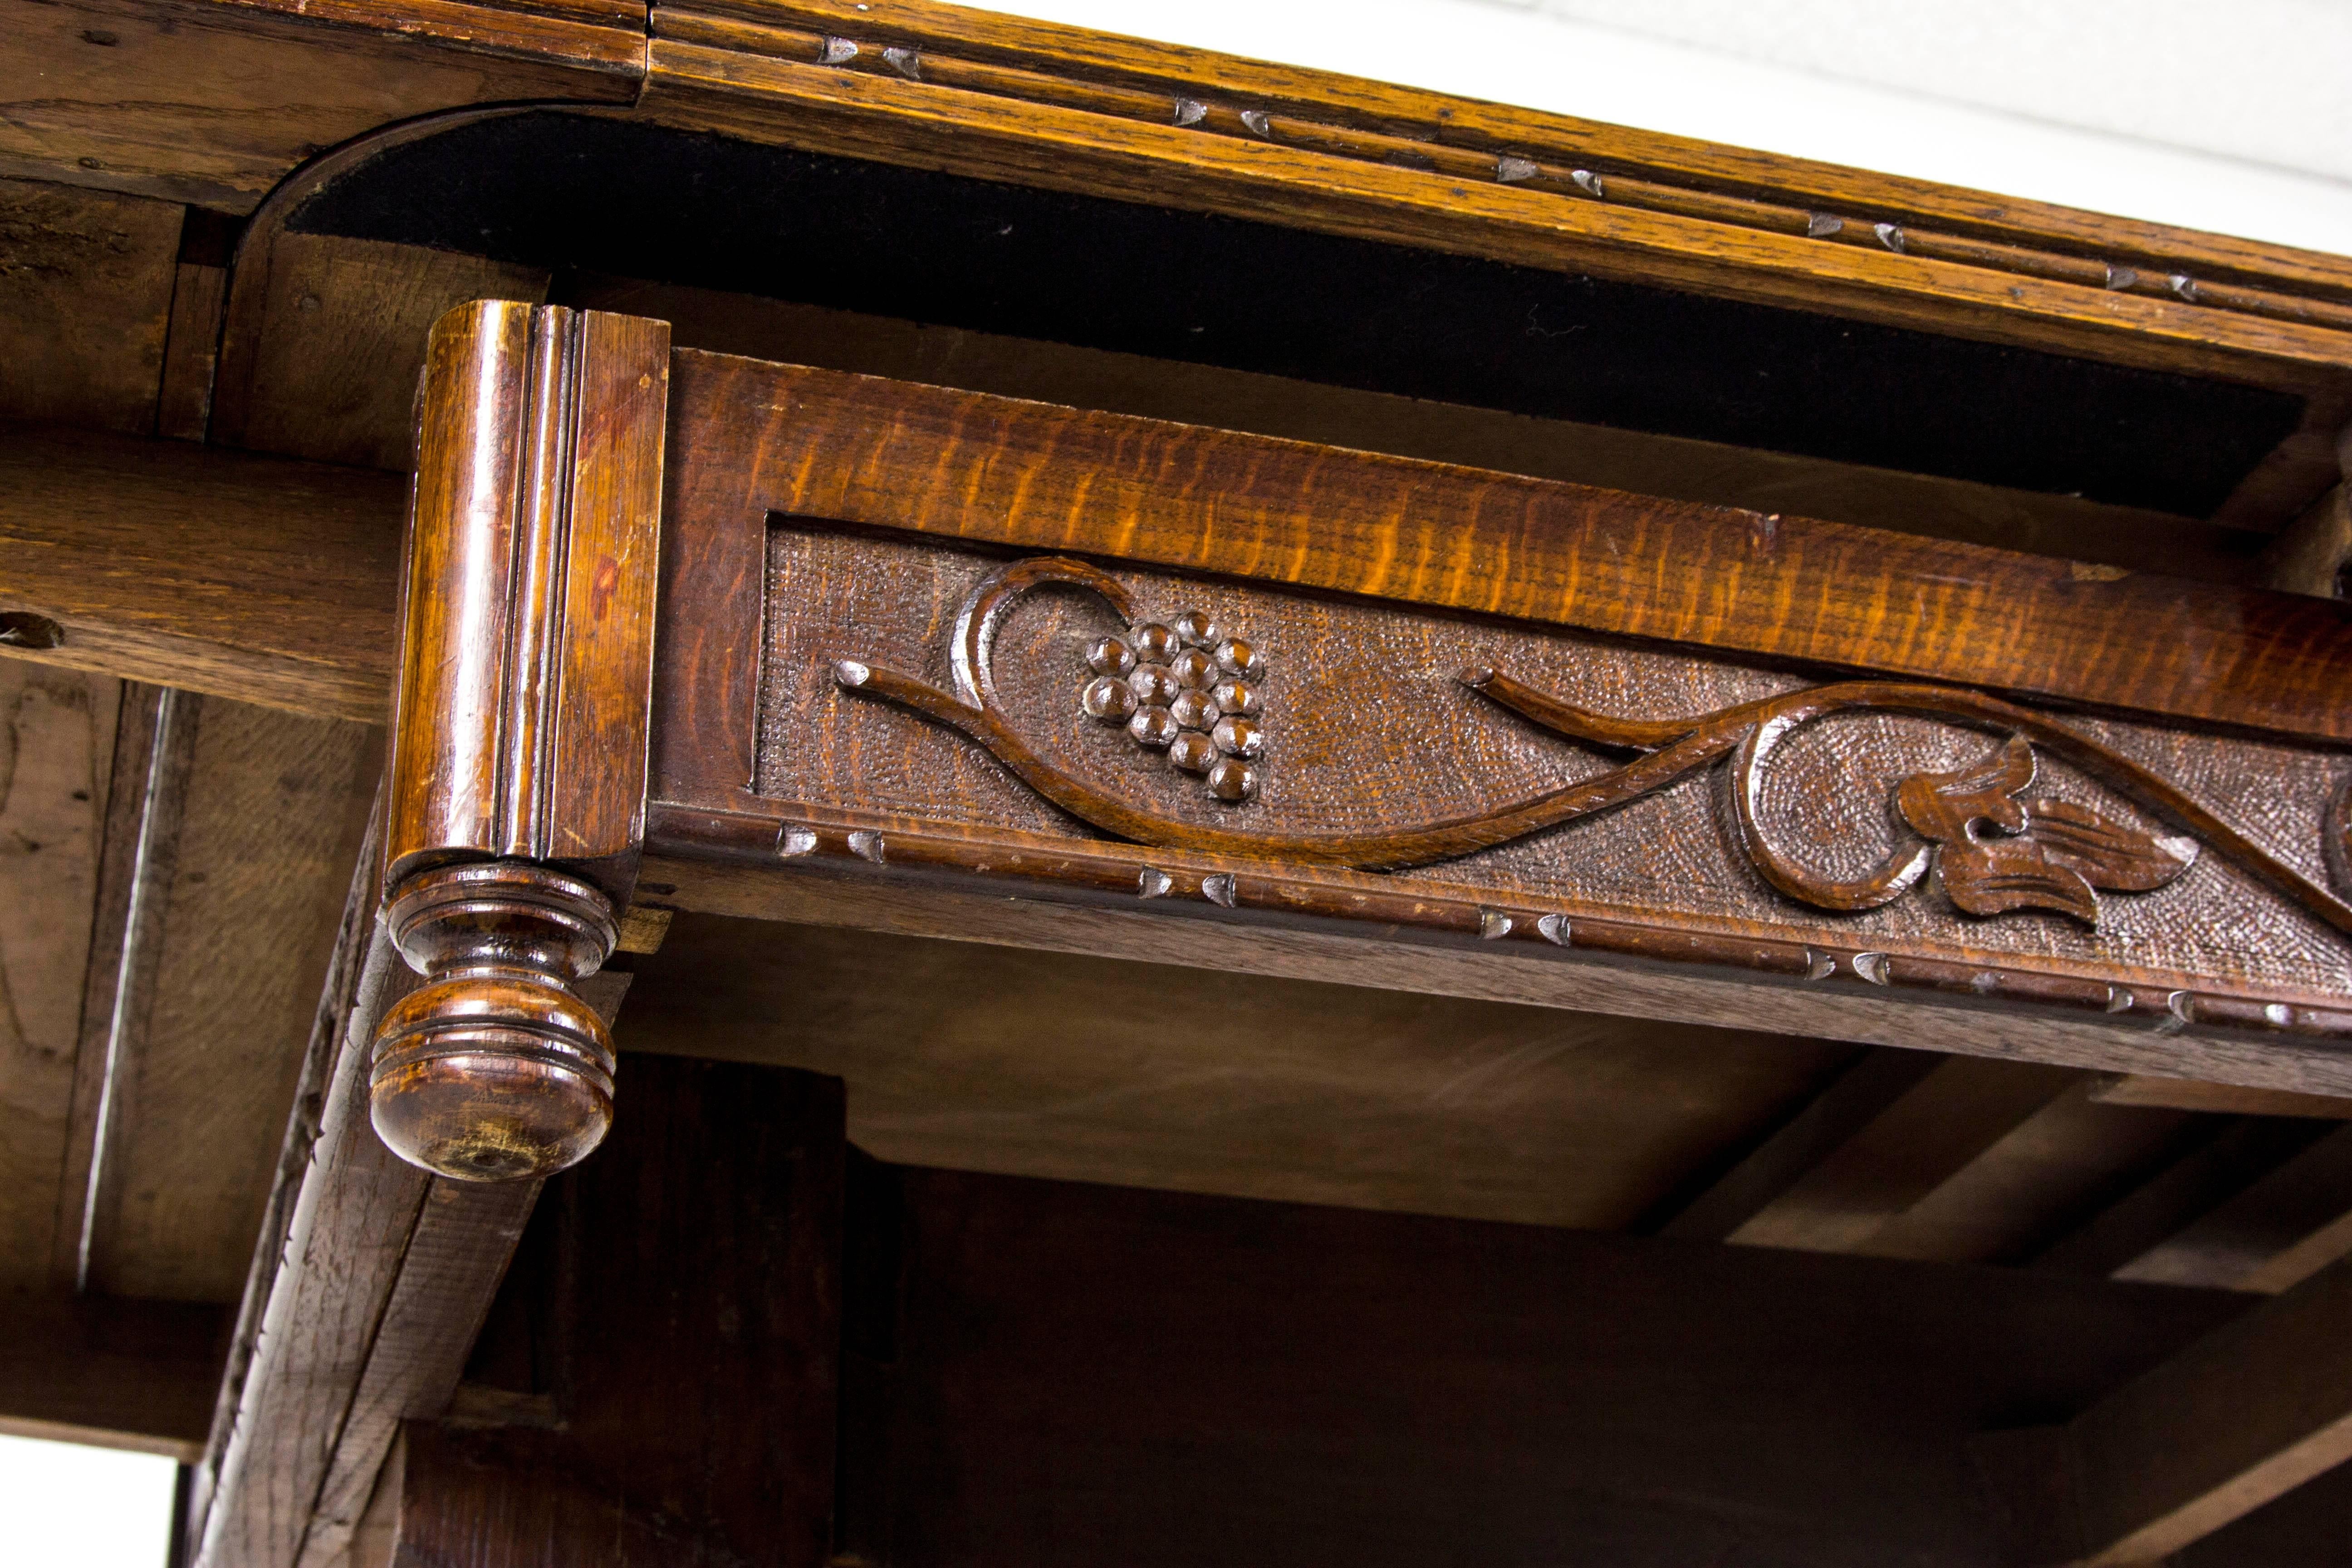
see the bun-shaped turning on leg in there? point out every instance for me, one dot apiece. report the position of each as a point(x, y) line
point(495, 1070)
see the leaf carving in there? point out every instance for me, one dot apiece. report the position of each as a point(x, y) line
point(2106, 853)
point(2047, 854)
point(1941, 806)
point(2000, 875)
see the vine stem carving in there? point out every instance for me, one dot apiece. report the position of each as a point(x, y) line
point(1996, 849)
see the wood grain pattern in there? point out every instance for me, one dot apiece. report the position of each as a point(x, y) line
point(528, 603)
point(86, 285)
point(850, 40)
point(1676, 468)
point(1086, 902)
point(57, 742)
point(990, 471)
point(1091, 55)
point(679, 1302)
point(325, 341)
point(1384, 741)
point(262, 580)
point(183, 405)
point(1156, 158)
point(271, 816)
point(211, 101)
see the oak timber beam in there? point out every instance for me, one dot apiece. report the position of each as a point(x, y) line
point(2239, 1418)
point(261, 579)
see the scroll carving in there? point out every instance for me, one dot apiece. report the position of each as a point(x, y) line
point(1995, 845)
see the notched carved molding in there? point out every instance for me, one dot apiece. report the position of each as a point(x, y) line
point(1995, 847)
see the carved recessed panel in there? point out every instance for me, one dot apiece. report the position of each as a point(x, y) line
point(1461, 755)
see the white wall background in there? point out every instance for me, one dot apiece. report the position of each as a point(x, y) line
point(2231, 115)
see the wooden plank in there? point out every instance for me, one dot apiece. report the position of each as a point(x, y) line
point(2228, 1099)
point(259, 579)
point(212, 103)
point(57, 741)
point(184, 406)
point(245, 910)
point(85, 282)
point(2066, 1160)
point(325, 342)
point(1867, 1087)
point(688, 1426)
point(371, 1280)
point(2215, 1162)
point(976, 470)
point(2226, 1426)
point(153, 744)
point(1032, 1063)
point(953, 30)
point(706, 71)
point(1949, 1118)
point(1023, 917)
point(120, 1375)
point(2274, 1233)
point(1676, 468)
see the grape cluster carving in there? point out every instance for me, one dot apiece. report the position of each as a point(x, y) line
point(1186, 687)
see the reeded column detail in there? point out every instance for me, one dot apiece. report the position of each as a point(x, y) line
point(519, 749)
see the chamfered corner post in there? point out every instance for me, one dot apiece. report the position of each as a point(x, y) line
point(520, 730)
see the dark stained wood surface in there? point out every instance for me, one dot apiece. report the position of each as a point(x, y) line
point(528, 595)
point(2231, 1423)
point(1064, 1374)
point(665, 1349)
point(985, 470)
point(263, 579)
point(119, 1374)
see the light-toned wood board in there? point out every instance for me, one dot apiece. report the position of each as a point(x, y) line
point(137, 1375)
point(2269, 1237)
point(1676, 467)
point(2030, 1182)
point(2234, 1421)
point(212, 103)
point(272, 814)
point(1171, 1073)
point(1920, 1141)
point(57, 742)
point(260, 579)
point(326, 342)
point(85, 294)
point(1847, 1104)
point(2191, 1094)
point(153, 744)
